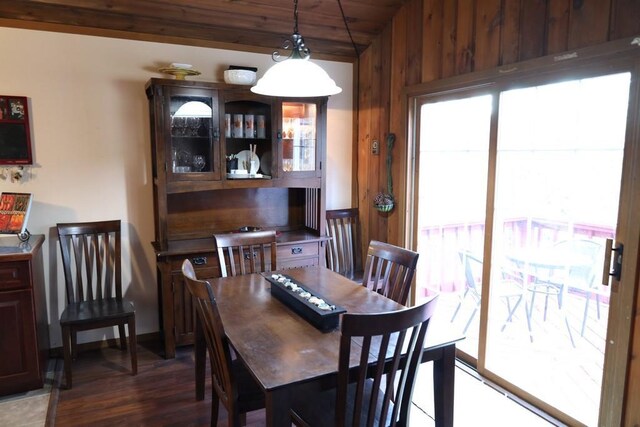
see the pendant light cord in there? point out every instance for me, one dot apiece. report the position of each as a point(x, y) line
point(357, 94)
point(346, 25)
point(295, 16)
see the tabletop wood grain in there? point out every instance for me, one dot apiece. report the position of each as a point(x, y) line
point(281, 347)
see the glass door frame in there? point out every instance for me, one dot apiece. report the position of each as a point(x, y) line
point(320, 124)
point(619, 56)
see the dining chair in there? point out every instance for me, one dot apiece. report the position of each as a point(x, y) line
point(231, 382)
point(344, 250)
point(508, 287)
point(362, 395)
point(389, 270)
point(583, 276)
point(91, 259)
point(246, 252)
point(472, 285)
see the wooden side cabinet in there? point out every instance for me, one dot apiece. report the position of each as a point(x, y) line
point(24, 328)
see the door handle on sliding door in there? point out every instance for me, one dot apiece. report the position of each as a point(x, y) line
point(617, 262)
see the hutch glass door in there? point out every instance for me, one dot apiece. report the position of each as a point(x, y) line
point(193, 137)
point(299, 139)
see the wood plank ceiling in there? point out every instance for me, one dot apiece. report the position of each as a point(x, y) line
point(254, 25)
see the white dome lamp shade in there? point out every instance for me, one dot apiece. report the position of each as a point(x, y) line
point(295, 75)
point(194, 109)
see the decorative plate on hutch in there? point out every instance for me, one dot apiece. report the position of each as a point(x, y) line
point(180, 73)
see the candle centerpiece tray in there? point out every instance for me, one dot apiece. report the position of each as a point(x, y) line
point(308, 304)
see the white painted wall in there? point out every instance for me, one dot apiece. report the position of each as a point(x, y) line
point(90, 137)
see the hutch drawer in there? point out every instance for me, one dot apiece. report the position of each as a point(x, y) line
point(293, 251)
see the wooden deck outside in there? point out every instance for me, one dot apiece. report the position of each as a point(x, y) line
point(555, 363)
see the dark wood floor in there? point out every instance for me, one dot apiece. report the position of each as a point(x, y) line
point(105, 393)
point(162, 394)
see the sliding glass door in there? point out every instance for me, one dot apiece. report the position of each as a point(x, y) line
point(517, 191)
point(451, 210)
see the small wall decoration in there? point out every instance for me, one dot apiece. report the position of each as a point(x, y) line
point(384, 202)
point(15, 137)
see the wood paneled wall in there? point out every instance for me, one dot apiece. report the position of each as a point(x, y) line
point(435, 39)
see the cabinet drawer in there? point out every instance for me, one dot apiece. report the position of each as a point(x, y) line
point(297, 263)
point(205, 265)
point(297, 250)
point(14, 275)
point(199, 261)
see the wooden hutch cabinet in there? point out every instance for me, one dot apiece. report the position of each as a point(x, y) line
point(24, 326)
point(225, 158)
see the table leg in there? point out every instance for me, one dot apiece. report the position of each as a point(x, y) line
point(443, 386)
point(200, 350)
point(277, 404)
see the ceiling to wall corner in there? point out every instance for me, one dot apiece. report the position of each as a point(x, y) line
point(255, 25)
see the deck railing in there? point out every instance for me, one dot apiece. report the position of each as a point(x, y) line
point(439, 266)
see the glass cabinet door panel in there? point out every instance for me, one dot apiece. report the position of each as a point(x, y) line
point(192, 134)
point(299, 139)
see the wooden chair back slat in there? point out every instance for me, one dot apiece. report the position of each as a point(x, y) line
point(389, 270)
point(344, 250)
point(93, 249)
point(244, 253)
point(377, 331)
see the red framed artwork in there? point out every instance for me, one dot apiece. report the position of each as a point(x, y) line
point(15, 135)
point(14, 212)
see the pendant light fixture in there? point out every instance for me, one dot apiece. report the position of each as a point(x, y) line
point(295, 75)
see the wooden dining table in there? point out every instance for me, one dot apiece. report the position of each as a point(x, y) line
point(286, 354)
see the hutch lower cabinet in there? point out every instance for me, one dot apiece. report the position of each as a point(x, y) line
point(225, 159)
point(24, 326)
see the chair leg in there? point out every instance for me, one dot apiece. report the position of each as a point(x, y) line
point(74, 344)
point(215, 404)
point(586, 313)
point(530, 308)
point(123, 337)
point(546, 304)
point(235, 419)
point(566, 322)
point(515, 307)
point(132, 344)
point(455, 313)
point(66, 348)
point(511, 311)
point(527, 309)
point(473, 314)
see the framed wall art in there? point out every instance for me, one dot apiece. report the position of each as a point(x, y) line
point(15, 135)
point(14, 214)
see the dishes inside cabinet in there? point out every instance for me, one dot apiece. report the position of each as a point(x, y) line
point(249, 161)
point(265, 163)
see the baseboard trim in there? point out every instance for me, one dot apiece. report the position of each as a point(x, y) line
point(57, 352)
point(467, 368)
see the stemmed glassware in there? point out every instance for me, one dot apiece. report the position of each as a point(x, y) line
point(198, 162)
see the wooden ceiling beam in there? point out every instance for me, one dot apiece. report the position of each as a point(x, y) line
point(53, 14)
point(264, 24)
